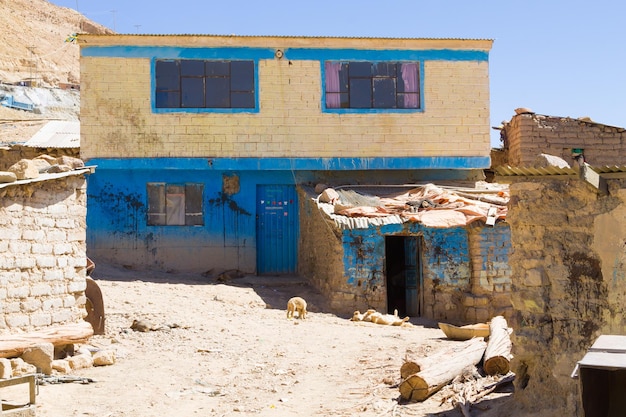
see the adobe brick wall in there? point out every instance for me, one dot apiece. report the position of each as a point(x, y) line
point(528, 135)
point(42, 241)
point(117, 118)
point(568, 267)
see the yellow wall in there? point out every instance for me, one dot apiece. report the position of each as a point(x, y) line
point(117, 118)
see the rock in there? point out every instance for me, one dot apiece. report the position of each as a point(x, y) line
point(544, 160)
point(104, 358)
point(6, 370)
point(329, 195)
point(41, 356)
point(320, 187)
point(25, 169)
point(80, 361)
point(54, 169)
point(61, 366)
point(42, 164)
point(51, 160)
point(20, 367)
point(73, 163)
point(7, 176)
point(524, 110)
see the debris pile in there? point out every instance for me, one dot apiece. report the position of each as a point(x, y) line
point(28, 169)
point(469, 361)
point(428, 204)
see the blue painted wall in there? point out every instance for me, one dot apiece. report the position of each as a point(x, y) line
point(117, 217)
point(453, 269)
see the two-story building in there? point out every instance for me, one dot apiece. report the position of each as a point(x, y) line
point(203, 143)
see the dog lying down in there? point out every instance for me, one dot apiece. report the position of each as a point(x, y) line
point(296, 304)
point(374, 316)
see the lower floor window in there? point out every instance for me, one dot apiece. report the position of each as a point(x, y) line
point(175, 204)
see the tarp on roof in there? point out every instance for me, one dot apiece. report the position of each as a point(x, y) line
point(56, 134)
point(428, 204)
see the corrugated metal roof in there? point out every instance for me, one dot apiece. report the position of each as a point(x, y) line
point(277, 36)
point(508, 171)
point(46, 177)
point(56, 134)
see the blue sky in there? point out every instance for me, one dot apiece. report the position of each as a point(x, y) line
point(558, 58)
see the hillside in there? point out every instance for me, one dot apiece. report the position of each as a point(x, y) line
point(33, 42)
point(34, 48)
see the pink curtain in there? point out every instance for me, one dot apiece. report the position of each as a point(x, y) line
point(409, 77)
point(332, 84)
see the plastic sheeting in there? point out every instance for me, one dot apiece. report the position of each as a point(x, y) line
point(434, 206)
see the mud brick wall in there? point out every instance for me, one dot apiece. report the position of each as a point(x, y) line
point(42, 241)
point(320, 255)
point(569, 283)
point(528, 135)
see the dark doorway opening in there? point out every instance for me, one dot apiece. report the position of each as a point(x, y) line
point(403, 274)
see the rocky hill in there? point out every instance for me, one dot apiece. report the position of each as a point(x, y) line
point(34, 42)
point(38, 62)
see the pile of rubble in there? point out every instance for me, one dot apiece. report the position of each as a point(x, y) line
point(28, 169)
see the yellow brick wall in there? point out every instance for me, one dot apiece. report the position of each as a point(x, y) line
point(117, 120)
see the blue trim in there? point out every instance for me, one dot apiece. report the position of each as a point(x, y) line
point(315, 54)
point(293, 164)
point(371, 111)
point(171, 52)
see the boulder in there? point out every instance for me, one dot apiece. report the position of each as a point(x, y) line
point(7, 176)
point(104, 358)
point(25, 169)
point(6, 370)
point(20, 367)
point(41, 356)
point(80, 361)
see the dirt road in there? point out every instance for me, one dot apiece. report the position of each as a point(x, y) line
point(227, 349)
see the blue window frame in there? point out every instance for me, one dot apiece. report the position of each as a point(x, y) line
point(372, 85)
point(198, 84)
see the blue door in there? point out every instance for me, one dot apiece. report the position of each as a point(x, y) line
point(277, 229)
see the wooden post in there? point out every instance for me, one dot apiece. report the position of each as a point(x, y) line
point(498, 351)
point(453, 362)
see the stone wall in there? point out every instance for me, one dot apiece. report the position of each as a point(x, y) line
point(320, 254)
point(568, 276)
point(528, 135)
point(42, 241)
point(15, 153)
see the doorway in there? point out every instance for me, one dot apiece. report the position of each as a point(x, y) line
point(277, 229)
point(403, 272)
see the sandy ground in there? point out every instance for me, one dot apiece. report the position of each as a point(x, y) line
point(227, 349)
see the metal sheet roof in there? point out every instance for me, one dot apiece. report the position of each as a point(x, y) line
point(607, 352)
point(56, 134)
point(508, 171)
point(46, 177)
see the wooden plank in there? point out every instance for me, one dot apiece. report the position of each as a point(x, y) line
point(13, 345)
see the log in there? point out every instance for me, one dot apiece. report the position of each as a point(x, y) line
point(415, 361)
point(13, 345)
point(498, 352)
point(450, 364)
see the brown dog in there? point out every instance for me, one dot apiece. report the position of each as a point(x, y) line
point(296, 304)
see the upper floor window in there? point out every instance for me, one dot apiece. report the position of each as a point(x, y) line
point(175, 205)
point(372, 85)
point(192, 83)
